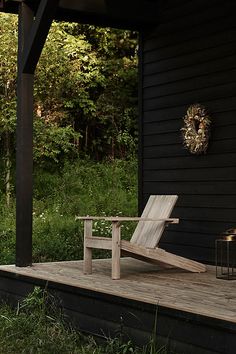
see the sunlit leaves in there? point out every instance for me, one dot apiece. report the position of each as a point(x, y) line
point(85, 90)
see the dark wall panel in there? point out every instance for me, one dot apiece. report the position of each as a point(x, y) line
point(189, 57)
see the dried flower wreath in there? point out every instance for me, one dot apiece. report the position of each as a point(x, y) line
point(196, 130)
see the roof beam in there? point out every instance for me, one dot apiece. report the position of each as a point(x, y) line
point(38, 34)
point(128, 14)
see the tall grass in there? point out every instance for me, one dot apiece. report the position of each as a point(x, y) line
point(82, 188)
point(38, 326)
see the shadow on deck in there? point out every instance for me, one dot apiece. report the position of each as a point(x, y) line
point(196, 313)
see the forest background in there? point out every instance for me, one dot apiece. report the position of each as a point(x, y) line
point(85, 135)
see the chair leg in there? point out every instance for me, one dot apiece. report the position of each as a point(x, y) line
point(115, 250)
point(87, 251)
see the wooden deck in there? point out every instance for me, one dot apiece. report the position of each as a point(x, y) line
point(196, 293)
point(196, 306)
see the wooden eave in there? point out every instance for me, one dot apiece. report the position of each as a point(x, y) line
point(130, 14)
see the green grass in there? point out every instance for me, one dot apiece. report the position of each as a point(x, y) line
point(81, 188)
point(38, 326)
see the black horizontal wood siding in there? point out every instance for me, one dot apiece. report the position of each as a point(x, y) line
point(190, 57)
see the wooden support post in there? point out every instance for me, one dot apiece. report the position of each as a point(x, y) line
point(87, 250)
point(31, 39)
point(141, 204)
point(38, 34)
point(24, 147)
point(115, 250)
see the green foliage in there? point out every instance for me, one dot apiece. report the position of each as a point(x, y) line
point(52, 141)
point(85, 95)
point(85, 91)
point(38, 326)
point(8, 58)
point(7, 233)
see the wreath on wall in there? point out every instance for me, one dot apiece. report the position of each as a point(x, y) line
point(196, 130)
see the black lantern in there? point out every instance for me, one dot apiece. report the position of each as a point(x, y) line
point(226, 255)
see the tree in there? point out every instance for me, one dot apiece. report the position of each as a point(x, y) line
point(85, 92)
point(8, 57)
point(106, 101)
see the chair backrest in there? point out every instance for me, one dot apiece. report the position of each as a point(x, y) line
point(148, 233)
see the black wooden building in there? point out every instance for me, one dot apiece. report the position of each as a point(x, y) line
point(187, 55)
point(187, 52)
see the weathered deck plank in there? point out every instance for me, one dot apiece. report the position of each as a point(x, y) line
point(201, 294)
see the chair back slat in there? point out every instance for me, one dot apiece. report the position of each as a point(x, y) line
point(148, 233)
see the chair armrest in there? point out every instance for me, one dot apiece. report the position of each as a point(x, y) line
point(123, 218)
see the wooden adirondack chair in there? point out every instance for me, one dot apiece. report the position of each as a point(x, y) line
point(144, 242)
